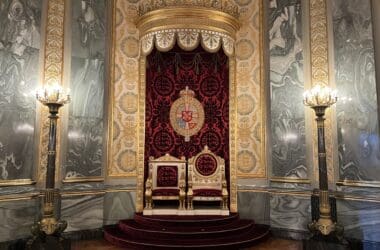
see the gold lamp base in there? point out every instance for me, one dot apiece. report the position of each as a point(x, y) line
point(325, 226)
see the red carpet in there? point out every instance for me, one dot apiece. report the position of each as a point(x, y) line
point(190, 232)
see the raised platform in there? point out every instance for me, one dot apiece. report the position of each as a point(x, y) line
point(190, 232)
point(186, 212)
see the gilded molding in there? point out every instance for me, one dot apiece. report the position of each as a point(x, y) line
point(188, 18)
point(83, 179)
point(53, 71)
point(232, 134)
point(227, 6)
point(141, 136)
point(18, 182)
point(320, 75)
point(290, 180)
point(352, 183)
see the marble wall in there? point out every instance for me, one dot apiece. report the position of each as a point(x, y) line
point(84, 153)
point(82, 212)
point(286, 87)
point(20, 40)
point(360, 219)
point(17, 218)
point(290, 212)
point(357, 108)
point(254, 206)
point(119, 206)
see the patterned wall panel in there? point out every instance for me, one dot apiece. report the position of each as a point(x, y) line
point(249, 95)
point(20, 40)
point(357, 110)
point(286, 88)
point(124, 90)
point(84, 151)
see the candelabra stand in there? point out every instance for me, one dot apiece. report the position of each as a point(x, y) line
point(319, 99)
point(47, 232)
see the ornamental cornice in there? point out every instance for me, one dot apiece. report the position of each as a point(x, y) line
point(227, 6)
point(187, 39)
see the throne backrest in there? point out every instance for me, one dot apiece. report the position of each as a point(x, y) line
point(167, 172)
point(206, 170)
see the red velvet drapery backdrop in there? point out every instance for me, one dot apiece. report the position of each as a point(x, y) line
point(207, 75)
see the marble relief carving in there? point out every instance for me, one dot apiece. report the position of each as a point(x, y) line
point(286, 88)
point(250, 155)
point(20, 25)
point(85, 126)
point(357, 110)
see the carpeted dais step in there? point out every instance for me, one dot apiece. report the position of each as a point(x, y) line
point(169, 233)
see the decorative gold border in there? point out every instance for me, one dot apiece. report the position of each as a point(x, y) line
point(290, 180)
point(141, 137)
point(263, 108)
point(187, 17)
point(352, 183)
point(232, 134)
point(18, 182)
point(53, 73)
point(111, 99)
point(319, 57)
point(83, 179)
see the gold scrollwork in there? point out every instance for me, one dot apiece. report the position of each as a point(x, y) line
point(53, 70)
point(320, 75)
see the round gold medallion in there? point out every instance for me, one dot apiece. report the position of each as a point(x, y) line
point(186, 114)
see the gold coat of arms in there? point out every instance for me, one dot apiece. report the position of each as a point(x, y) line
point(186, 114)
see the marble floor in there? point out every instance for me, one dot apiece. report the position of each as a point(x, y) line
point(271, 243)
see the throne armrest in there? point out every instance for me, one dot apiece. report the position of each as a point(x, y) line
point(149, 182)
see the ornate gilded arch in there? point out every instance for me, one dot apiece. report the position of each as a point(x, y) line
point(188, 23)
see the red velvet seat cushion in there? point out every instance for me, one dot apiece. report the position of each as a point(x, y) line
point(207, 192)
point(165, 192)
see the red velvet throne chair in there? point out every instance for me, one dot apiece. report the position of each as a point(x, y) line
point(166, 180)
point(207, 179)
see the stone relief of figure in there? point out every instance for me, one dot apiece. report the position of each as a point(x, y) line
point(91, 28)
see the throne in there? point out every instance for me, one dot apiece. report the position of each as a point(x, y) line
point(207, 179)
point(166, 180)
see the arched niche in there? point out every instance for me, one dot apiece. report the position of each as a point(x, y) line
point(187, 26)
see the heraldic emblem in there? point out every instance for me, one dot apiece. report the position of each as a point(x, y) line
point(186, 114)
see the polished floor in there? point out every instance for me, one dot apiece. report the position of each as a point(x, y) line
point(272, 243)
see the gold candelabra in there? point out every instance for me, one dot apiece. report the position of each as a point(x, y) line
point(53, 97)
point(319, 98)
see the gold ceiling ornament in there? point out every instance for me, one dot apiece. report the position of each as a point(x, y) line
point(187, 39)
point(163, 23)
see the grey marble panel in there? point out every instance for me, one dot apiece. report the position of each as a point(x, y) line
point(16, 190)
point(84, 154)
point(360, 219)
point(290, 212)
point(119, 206)
point(89, 186)
point(82, 212)
point(254, 206)
point(88, 28)
point(286, 88)
point(17, 218)
point(85, 129)
point(357, 111)
point(19, 74)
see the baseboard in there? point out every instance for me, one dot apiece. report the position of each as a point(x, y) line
point(289, 234)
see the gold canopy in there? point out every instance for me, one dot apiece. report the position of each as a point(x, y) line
point(213, 24)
